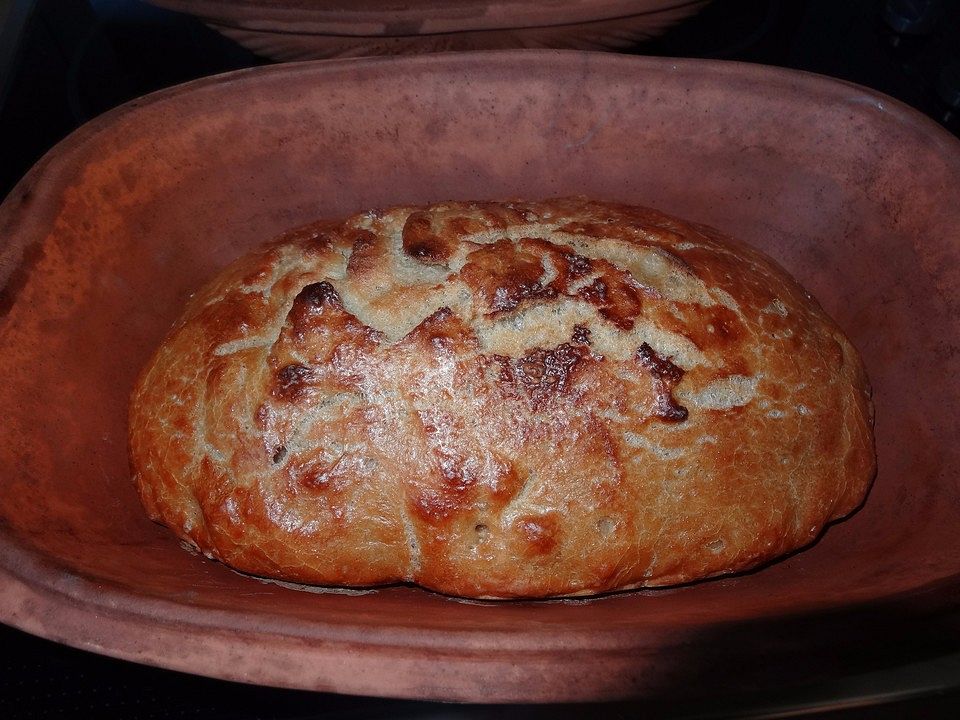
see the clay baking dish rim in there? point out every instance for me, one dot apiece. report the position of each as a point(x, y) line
point(33, 585)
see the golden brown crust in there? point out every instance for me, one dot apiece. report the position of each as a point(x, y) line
point(502, 400)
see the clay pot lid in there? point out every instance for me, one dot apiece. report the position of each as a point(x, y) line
point(288, 30)
point(419, 17)
point(114, 228)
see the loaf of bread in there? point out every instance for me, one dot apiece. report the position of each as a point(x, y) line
point(520, 399)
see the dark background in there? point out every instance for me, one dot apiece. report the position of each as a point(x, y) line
point(63, 62)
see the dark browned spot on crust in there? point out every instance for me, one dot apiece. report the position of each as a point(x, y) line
point(581, 335)
point(624, 302)
point(279, 454)
point(665, 376)
point(660, 367)
point(442, 330)
point(568, 265)
point(421, 242)
point(318, 321)
point(504, 276)
point(615, 293)
point(540, 533)
point(577, 265)
point(595, 293)
point(290, 382)
point(505, 300)
point(316, 295)
point(616, 298)
point(667, 408)
point(364, 253)
point(547, 373)
point(499, 368)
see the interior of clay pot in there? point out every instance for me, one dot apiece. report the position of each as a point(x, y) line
point(110, 234)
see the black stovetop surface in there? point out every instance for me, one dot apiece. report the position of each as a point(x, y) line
point(63, 62)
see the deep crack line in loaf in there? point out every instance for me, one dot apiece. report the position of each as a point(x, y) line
point(410, 535)
point(673, 344)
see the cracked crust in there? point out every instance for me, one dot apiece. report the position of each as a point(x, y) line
point(502, 400)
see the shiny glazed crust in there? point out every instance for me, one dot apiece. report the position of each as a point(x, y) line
point(502, 400)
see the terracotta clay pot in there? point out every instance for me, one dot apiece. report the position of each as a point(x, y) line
point(110, 233)
point(313, 29)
